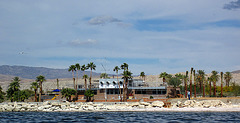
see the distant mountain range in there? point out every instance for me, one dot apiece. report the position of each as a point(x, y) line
point(32, 72)
point(237, 71)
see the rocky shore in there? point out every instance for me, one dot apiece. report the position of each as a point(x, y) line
point(189, 105)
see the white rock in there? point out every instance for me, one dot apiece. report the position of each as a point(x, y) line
point(157, 104)
point(145, 103)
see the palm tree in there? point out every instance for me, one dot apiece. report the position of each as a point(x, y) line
point(215, 78)
point(210, 80)
point(85, 77)
point(67, 92)
point(163, 75)
point(72, 68)
point(221, 84)
point(13, 89)
point(142, 74)
point(191, 82)
point(124, 67)
point(185, 82)
point(40, 79)
point(2, 94)
point(204, 81)
point(175, 82)
point(227, 78)
point(35, 86)
point(201, 75)
point(83, 68)
point(78, 67)
point(117, 69)
point(194, 79)
point(126, 76)
point(92, 66)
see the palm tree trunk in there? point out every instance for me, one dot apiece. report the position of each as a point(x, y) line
point(195, 92)
point(210, 89)
point(191, 86)
point(203, 90)
point(85, 83)
point(77, 80)
point(200, 86)
point(119, 89)
point(40, 87)
point(124, 90)
point(90, 80)
point(73, 80)
point(40, 93)
point(214, 84)
point(221, 89)
point(35, 95)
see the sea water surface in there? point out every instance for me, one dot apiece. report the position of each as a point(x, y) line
point(141, 117)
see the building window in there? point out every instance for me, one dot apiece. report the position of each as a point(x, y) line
point(101, 83)
point(114, 83)
point(108, 83)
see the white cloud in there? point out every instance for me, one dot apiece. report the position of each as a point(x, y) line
point(78, 42)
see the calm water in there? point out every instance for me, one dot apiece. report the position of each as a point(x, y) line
point(142, 117)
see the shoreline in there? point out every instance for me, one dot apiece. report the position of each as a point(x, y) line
point(156, 106)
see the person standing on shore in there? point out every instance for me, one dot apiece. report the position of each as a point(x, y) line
point(188, 93)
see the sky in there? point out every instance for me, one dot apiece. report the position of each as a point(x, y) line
point(152, 36)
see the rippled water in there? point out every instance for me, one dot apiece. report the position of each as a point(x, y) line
point(142, 117)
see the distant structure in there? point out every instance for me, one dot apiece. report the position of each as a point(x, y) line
point(108, 89)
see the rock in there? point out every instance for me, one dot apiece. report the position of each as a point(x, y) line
point(189, 103)
point(179, 104)
point(141, 106)
point(145, 103)
point(135, 104)
point(157, 104)
point(46, 103)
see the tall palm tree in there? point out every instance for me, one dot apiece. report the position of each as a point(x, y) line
point(126, 76)
point(185, 82)
point(195, 84)
point(210, 80)
point(85, 77)
point(83, 68)
point(40, 79)
point(215, 78)
point(204, 81)
point(124, 67)
point(221, 84)
point(191, 82)
point(116, 68)
point(201, 75)
point(227, 78)
point(164, 76)
point(142, 74)
point(78, 68)
point(35, 86)
point(91, 66)
point(72, 68)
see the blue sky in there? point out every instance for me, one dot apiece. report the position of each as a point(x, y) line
point(153, 36)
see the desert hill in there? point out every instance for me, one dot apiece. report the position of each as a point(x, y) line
point(32, 72)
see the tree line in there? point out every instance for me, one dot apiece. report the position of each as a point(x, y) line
point(198, 80)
